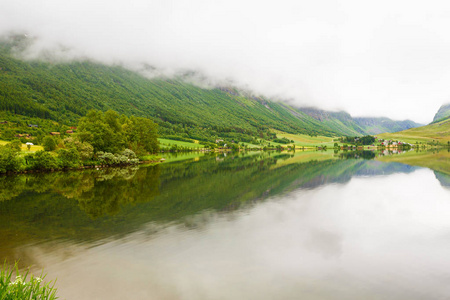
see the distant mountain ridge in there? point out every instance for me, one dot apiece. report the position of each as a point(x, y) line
point(382, 125)
point(344, 122)
point(443, 113)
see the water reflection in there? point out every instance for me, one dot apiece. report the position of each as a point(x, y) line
point(201, 230)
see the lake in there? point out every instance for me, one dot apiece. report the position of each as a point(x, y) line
point(303, 225)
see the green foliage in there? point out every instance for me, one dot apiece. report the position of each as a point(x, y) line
point(109, 132)
point(102, 130)
point(9, 159)
point(142, 135)
point(21, 289)
point(127, 157)
point(68, 158)
point(15, 145)
point(49, 143)
point(282, 140)
point(366, 140)
point(85, 150)
point(41, 160)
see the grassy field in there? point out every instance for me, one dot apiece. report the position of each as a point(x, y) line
point(439, 132)
point(33, 148)
point(303, 140)
point(438, 161)
point(168, 143)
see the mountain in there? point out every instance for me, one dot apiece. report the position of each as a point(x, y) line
point(63, 92)
point(47, 93)
point(443, 113)
point(339, 121)
point(375, 126)
point(345, 123)
point(437, 132)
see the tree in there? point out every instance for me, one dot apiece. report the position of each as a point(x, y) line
point(142, 135)
point(102, 130)
point(41, 160)
point(49, 143)
point(15, 145)
point(69, 158)
point(9, 160)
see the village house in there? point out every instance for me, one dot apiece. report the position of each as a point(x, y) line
point(55, 133)
point(69, 131)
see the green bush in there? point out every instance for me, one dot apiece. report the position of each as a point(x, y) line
point(49, 143)
point(127, 157)
point(41, 160)
point(68, 158)
point(9, 160)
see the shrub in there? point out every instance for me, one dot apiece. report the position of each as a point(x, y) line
point(129, 153)
point(41, 160)
point(9, 160)
point(69, 158)
point(22, 289)
point(106, 158)
point(49, 143)
point(15, 145)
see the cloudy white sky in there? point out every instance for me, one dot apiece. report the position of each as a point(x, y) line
point(370, 58)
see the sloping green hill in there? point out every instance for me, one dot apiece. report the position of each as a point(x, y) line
point(443, 113)
point(339, 121)
point(65, 91)
point(438, 132)
point(381, 125)
point(348, 125)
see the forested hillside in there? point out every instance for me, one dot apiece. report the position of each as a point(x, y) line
point(382, 125)
point(348, 125)
point(63, 92)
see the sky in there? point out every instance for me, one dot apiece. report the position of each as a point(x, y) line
point(369, 58)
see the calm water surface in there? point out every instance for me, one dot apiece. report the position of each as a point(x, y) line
point(305, 225)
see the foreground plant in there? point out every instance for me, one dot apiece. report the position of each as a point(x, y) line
point(33, 289)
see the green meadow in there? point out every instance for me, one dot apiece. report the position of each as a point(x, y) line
point(33, 148)
point(437, 132)
point(304, 140)
point(167, 143)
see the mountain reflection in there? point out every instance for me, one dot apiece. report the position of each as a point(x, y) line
point(97, 204)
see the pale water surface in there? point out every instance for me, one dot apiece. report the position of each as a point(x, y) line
point(279, 226)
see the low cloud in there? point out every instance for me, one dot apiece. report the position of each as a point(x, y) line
point(381, 58)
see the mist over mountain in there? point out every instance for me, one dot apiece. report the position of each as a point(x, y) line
point(186, 104)
point(356, 56)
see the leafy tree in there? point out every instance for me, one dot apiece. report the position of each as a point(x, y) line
point(41, 160)
point(142, 135)
point(85, 150)
point(9, 160)
point(102, 130)
point(69, 158)
point(49, 143)
point(15, 145)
